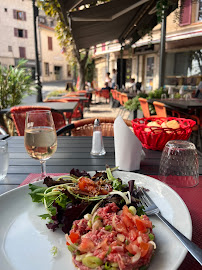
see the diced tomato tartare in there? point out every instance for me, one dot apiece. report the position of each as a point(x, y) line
point(111, 239)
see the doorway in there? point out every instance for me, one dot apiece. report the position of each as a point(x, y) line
point(58, 73)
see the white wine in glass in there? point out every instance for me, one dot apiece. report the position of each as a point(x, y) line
point(40, 137)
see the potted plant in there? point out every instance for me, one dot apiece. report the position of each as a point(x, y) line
point(15, 83)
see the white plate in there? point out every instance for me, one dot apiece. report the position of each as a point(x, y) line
point(26, 242)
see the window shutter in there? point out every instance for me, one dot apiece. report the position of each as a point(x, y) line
point(15, 32)
point(24, 16)
point(185, 16)
point(22, 52)
point(25, 33)
point(15, 14)
point(50, 44)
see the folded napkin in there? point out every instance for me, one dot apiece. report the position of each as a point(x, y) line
point(128, 148)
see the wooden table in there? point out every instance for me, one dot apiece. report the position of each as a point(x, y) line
point(74, 152)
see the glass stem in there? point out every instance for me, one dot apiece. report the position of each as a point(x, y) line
point(43, 169)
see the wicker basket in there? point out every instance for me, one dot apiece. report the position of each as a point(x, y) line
point(155, 138)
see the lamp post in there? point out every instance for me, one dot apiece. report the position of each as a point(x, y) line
point(162, 50)
point(37, 71)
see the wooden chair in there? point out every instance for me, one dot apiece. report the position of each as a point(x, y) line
point(18, 114)
point(84, 127)
point(160, 109)
point(122, 98)
point(145, 107)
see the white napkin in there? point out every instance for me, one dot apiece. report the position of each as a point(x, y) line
point(128, 148)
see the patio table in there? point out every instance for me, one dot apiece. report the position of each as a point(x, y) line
point(63, 107)
point(181, 105)
point(74, 152)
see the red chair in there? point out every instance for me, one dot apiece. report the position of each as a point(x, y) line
point(105, 94)
point(78, 111)
point(18, 114)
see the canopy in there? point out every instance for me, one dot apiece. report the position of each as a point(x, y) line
point(117, 19)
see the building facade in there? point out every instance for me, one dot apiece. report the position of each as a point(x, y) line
point(17, 33)
point(54, 65)
point(17, 41)
point(183, 65)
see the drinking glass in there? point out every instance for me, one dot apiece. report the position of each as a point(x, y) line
point(40, 137)
point(179, 165)
point(3, 159)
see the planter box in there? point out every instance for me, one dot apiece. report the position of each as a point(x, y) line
point(135, 114)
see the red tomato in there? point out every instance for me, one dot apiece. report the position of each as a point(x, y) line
point(74, 237)
point(86, 245)
point(132, 248)
point(133, 234)
point(126, 212)
point(128, 222)
point(145, 237)
point(140, 225)
point(144, 247)
point(86, 184)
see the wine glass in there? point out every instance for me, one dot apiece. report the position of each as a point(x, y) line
point(40, 137)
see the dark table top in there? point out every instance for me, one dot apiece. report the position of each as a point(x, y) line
point(60, 106)
point(180, 103)
point(80, 98)
point(72, 152)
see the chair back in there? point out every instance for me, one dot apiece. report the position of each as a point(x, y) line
point(113, 93)
point(160, 109)
point(84, 127)
point(144, 106)
point(105, 93)
point(18, 114)
point(124, 98)
point(118, 96)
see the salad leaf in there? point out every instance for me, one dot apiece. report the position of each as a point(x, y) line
point(37, 193)
point(78, 173)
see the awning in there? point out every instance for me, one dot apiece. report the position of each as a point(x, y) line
point(117, 19)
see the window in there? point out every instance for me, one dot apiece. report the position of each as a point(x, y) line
point(42, 20)
point(19, 15)
point(5, 9)
point(185, 12)
point(10, 48)
point(51, 23)
point(50, 43)
point(46, 68)
point(150, 67)
point(20, 33)
point(200, 10)
point(22, 52)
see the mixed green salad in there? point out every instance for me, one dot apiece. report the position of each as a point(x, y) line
point(70, 197)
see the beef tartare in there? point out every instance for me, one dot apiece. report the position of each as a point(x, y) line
point(112, 238)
